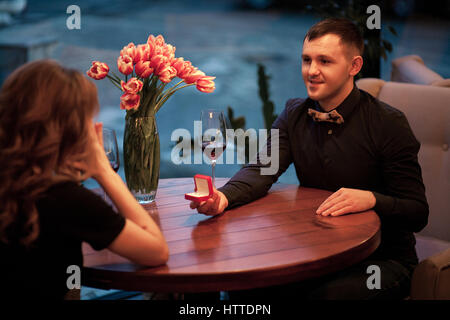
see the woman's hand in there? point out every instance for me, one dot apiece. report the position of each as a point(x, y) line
point(141, 239)
point(94, 162)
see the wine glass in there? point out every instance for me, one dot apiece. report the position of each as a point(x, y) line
point(111, 148)
point(213, 136)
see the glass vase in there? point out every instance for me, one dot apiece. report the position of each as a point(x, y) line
point(141, 153)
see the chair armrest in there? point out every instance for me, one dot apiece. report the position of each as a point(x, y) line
point(431, 278)
point(411, 69)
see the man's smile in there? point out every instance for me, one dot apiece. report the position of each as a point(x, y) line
point(313, 81)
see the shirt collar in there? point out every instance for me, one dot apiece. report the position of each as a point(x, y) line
point(347, 106)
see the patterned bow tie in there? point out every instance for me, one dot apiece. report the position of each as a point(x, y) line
point(332, 116)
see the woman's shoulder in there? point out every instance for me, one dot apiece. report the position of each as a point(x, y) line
point(79, 213)
point(69, 196)
point(73, 188)
point(67, 192)
point(66, 185)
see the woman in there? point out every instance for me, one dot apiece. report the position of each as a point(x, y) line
point(48, 145)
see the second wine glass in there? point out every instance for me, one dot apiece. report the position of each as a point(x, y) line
point(213, 135)
point(111, 149)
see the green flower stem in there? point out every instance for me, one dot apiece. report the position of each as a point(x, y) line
point(114, 82)
point(180, 82)
point(151, 93)
point(115, 76)
point(161, 86)
point(173, 87)
point(141, 140)
point(167, 95)
point(141, 154)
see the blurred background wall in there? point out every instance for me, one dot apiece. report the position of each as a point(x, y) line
point(226, 39)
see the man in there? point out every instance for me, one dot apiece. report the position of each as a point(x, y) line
point(344, 140)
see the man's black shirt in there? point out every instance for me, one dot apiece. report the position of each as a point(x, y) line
point(374, 149)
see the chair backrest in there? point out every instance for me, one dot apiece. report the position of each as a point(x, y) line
point(427, 109)
point(412, 69)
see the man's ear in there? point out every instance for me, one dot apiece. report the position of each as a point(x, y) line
point(357, 63)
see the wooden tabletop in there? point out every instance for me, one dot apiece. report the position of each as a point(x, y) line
point(274, 240)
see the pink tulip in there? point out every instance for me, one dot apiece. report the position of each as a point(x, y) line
point(143, 69)
point(167, 74)
point(129, 50)
point(156, 41)
point(133, 86)
point(160, 41)
point(163, 68)
point(178, 64)
point(194, 76)
point(142, 53)
point(151, 39)
point(183, 67)
point(169, 51)
point(129, 101)
point(98, 71)
point(188, 69)
point(158, 63)
point(206, 84)
point(125, 64)
point(157, 45)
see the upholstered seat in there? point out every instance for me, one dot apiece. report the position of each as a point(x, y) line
point(431, 278)
point(427, 109)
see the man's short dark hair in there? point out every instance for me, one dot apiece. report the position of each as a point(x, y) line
point(345, 29)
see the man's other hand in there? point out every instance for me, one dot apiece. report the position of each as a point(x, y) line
point(346, 201)
point(213, 206)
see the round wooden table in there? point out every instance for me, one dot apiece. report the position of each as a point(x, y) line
point(274, 240)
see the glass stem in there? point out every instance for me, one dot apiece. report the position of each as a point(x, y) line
point(213, 164)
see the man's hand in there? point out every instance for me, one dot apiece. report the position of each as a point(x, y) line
point(213, 206)
point(346, 201)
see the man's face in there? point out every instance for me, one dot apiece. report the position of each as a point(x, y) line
point(326, 67)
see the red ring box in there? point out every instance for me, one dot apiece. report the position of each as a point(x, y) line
point(203, 189)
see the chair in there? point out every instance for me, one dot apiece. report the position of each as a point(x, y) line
point(431, 278)
point(427, 109)
point(412, 69)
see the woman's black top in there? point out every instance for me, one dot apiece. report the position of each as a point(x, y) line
point(68, 215)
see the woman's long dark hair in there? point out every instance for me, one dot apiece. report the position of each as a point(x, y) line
point(45, 111)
